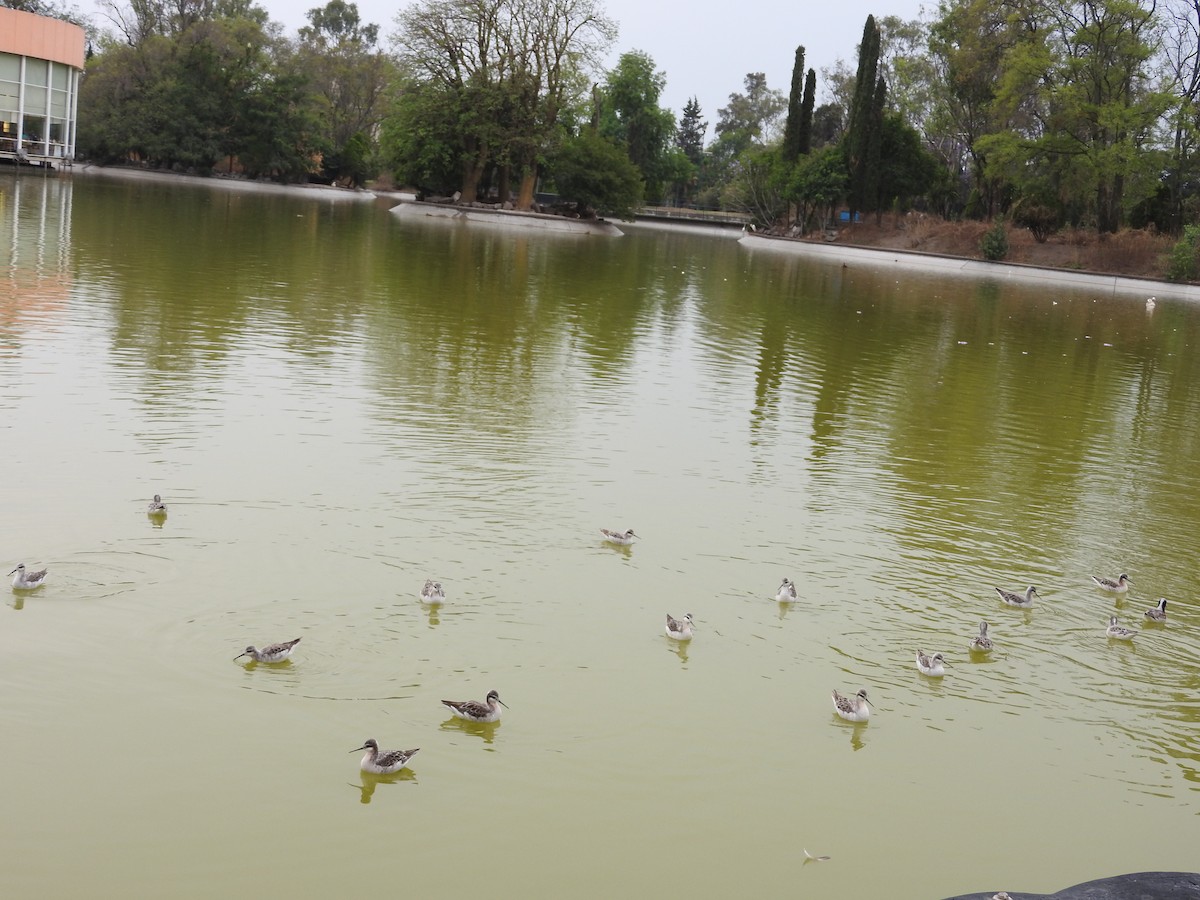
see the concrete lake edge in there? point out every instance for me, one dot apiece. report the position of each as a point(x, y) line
point(1112, 285)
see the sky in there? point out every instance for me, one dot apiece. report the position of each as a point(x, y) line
point(705, 47)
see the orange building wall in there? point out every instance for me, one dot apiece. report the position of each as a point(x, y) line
point(25, 34)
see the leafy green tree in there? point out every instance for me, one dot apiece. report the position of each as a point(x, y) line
point(906, 169)
point(349, 76)
point(508, 69)
point(421, 139)
point(759, 186)
point(632, 118)
point(817, 185)
point(829, 124)
point(751, 118)
point(597, 175)
point(203, 84)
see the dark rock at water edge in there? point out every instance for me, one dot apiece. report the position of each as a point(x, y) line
point(1138, 886)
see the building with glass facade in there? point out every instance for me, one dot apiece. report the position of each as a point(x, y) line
point(41, 60)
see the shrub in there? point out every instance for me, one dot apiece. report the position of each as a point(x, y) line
point(1182, 263)
point(995, 242)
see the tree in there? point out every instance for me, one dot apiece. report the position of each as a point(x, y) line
point(818, 183)
point(349, 76)
point(632, 118)
point(1181, 52)
point(752, 117)
point(792, 128)
point(1077, 88)
point(507, 69)
point(866, 116)
point(906, 169)
point(806, 111)
point(689, 137)
point(597, 175)
point(194, 90)
point(760, 185)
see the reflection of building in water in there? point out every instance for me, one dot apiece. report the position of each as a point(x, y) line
point(35, 234)
point(41, 60)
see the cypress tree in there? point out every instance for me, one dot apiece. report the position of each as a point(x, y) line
point(859, 134)
point(806, 112)
point(792, 128)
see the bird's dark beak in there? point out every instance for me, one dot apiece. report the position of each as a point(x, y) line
point(239, 656)
point(356, 749)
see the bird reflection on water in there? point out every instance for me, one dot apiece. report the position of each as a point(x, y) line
point(368, 782)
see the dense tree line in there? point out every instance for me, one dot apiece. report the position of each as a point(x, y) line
point(1052, 113)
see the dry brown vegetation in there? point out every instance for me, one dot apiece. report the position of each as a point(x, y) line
point(1135, 253)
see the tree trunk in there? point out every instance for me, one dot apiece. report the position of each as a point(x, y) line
point(505, 183)
point(474, 162)
point(525, 193)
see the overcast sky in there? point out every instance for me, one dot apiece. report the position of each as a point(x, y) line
point(705, 47)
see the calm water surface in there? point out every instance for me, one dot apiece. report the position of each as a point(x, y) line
point(337, 405)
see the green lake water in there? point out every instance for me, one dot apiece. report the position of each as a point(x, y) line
point(337, 405)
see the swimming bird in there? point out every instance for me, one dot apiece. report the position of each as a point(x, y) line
point(1150, 304)
point(1159, 613)
point(619, 537)
point(1120, 586)
point(1116, 631)
point(474, 711)
point(852, 709)
point(983, 643)
point(432, 593)
point(933, 666)
point(383, 762)
point(787, 592)
point(272, 653)
point(156, 507)
point(679, 629)
point(27, 581)
point(1012, 599)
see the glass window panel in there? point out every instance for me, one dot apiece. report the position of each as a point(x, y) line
point(35, 128)
point(58, 76)
point(58, 103)
point(35, 100)
point(8, 95)
point(10, 67)
point(36, 71)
